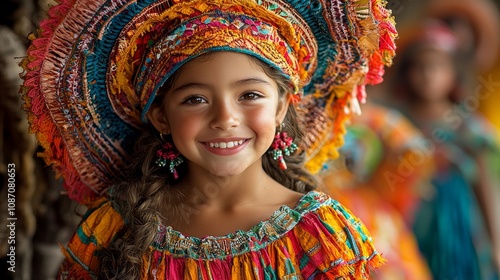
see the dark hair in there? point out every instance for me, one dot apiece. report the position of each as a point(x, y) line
point(141, 198)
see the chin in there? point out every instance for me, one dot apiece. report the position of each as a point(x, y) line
point(227, 171)
point(230, 167)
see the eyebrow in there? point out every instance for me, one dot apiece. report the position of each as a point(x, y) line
point(189, 85)
point(250, 81)
point(243, 82)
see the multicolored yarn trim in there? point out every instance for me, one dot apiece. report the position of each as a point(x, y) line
point(39, 93)
point(92, 70)
point(355, 41)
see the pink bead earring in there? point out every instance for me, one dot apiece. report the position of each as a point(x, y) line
point(169, 154)
point(282, 145)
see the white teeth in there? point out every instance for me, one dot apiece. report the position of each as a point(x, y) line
point(226, 145)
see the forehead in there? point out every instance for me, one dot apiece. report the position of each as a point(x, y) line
point(221, 66)
point(430, 55)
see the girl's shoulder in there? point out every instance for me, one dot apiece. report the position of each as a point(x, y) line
point(329, 212)
point(97, 229)
point(330, 230)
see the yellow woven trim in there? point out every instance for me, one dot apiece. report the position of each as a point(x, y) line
point(126, 66)
point(335, 109)
point(386, 21)
point(374, 27)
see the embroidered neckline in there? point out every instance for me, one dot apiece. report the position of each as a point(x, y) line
point(239, 242)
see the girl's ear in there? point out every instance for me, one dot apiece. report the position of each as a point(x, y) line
point(282, 109)
point(158, 119)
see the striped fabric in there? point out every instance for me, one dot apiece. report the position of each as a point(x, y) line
point(317, 239)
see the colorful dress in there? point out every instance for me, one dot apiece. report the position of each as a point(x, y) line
point(379, 178)
point(317, 239)
point(393, 238)
point(450, 227)
point(389, 154)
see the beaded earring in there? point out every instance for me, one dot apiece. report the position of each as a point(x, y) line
point(168, 153)
point(282, 145)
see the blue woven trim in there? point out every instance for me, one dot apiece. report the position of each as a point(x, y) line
point(205, 51)
point(312, 14)
point(109, 123)
point(241, 242)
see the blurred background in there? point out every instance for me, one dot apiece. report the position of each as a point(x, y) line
point(420, 167)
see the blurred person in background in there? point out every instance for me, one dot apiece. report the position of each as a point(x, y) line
point(477, 25)
point(382, 173)
point(458, 228)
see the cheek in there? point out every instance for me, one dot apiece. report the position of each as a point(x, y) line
point(448, 77)
point(263, 122)
point(183, 127)
point(416, 77)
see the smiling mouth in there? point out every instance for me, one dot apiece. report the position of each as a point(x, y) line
point(225, 145)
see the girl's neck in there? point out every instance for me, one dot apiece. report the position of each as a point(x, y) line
point(218, 206)
point(207, 190)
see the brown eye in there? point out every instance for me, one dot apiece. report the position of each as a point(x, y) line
point(251, 96)
point(193, 100)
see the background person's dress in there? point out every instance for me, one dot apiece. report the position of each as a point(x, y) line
point(450, 227)
point(381, 176)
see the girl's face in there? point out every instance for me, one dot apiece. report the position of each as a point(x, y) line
point(432, 75)
point(222, 112)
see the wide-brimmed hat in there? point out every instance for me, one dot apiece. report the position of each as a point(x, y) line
point(94, 68)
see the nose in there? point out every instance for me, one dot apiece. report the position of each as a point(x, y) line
point(225, 116)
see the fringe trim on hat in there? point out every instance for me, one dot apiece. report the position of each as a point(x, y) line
point(386, 28)
point(344, 99)
point(55, 153)
point(327, 150)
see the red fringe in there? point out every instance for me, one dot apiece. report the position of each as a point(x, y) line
point(387, 47)
point(39, 116)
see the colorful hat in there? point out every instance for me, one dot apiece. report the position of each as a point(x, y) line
point(94, 68)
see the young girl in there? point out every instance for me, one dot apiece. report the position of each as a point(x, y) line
point(457, 229)
point(181, 125)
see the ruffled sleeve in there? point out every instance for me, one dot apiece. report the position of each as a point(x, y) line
point(335, 243)
point(98, 227)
